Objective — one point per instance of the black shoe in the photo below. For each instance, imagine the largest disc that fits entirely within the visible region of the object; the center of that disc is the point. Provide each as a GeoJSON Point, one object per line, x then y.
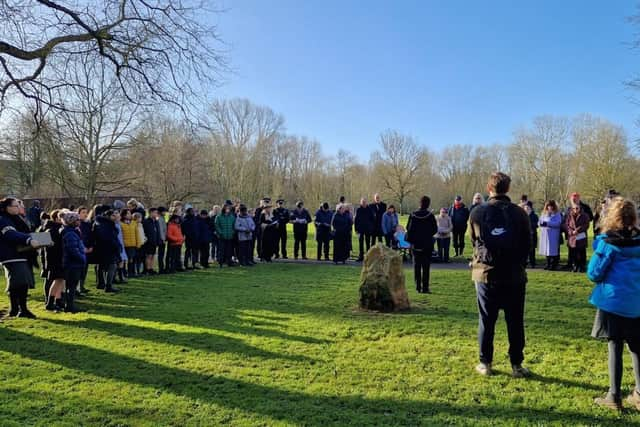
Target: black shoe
{"type": "Point", "coordinates": [305, 258]}
{"type": "Point", "coordinates": [26, 314]}
{"type": "Point", "coordinates": [285, 257]}
{"type": "Point", "coordinates": [426, 291]}
{"type": "Point", "coordinates": [73, 310]}
{"type": "Point", "coordinates": [112, 290]}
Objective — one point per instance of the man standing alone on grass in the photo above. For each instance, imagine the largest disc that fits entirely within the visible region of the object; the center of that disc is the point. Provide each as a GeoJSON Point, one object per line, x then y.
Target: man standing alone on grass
{"type": "Point", "coordinates": [501, 235]}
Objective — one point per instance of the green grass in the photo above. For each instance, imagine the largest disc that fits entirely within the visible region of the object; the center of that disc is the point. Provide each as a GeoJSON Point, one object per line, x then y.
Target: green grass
{"type": "Point", "coordinates": [285, 345]}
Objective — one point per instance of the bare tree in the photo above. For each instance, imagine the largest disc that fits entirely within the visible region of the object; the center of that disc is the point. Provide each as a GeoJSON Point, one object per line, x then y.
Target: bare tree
{"type": "Point", "coordinates": [398, 164]}
{"type": "Point", "coordinates": [84, 145]}
{"type": "Point", "coordinates": [158, 51]}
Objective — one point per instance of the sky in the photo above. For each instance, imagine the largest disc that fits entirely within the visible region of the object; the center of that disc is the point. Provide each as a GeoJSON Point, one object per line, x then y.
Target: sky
{"type": "Point", "coordinates": [444, 72]}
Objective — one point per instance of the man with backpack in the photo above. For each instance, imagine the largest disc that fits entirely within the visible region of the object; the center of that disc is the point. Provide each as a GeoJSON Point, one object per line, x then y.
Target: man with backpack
{"type": "Point", "coordinates": [501, 236]}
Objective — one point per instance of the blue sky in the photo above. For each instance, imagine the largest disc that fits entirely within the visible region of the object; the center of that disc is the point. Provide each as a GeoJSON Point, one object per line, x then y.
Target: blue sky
{"type": "Point", "coordinates": [446, 72]}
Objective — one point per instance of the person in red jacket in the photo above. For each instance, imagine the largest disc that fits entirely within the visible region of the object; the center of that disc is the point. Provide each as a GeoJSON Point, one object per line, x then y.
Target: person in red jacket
{"type": "Point", "coordinates": [175, 239]}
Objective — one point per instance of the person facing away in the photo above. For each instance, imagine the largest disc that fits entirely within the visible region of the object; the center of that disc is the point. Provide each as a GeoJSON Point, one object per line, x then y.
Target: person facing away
{"type": "Point", "coordinates": [421, 227]}
{"type": "Point", "coordinates": [615, 269]}
{"type": "Point", "coordinates": [379, 208]}
{"type": "Point", "coordinates": [501, 236]}
{"type": "Point", "coordinates": [365, 225]}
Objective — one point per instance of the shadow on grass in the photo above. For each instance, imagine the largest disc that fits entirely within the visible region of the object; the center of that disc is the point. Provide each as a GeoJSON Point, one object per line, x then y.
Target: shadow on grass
{"type": "Point", "coordinates": [278, 404]}
{"type": "Point", "coordinates": [209, 342]}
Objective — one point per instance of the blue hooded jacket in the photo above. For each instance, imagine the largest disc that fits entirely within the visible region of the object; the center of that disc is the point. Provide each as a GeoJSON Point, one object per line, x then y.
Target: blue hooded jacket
{"type": "Point", "coordinates": [615, 268]}
{"type": "Point", "coordinates": [73, 255]}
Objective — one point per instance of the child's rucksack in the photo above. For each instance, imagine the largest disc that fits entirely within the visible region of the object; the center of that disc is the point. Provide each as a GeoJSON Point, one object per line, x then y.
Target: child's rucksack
{"type": "Point", "coordinates": [498, 238]}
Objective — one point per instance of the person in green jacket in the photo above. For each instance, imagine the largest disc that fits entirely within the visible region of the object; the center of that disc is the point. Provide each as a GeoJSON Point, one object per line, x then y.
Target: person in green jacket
{"type": "Point", "coordinates": [225, 230]}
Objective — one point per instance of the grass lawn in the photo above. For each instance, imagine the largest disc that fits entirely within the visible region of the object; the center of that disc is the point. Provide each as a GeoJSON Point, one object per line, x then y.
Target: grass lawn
{"type": "Point", "coordinates": [285, 345]}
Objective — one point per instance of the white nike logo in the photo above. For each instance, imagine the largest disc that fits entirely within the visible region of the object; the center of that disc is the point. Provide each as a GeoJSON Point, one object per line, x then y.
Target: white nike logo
{"type": "Point", "coordinates": [498, 231]}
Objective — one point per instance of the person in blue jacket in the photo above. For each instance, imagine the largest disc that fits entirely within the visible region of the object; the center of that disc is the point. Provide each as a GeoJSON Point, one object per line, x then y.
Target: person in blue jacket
{"type": "Point", "coordinates": [389, 224]}
{"type": "Point", "coordinates": [74, 258]}
{"type": "Point", "coordinates": [615, 269]}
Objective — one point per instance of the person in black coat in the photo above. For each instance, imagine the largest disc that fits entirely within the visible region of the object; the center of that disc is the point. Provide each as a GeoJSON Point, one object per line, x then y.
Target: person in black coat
{"type": "Point", "coordinates": [283, 215]}
{"type": "Point", "coordinates": [533, 218]}
{"type": "Point", "coordinates": [270, 235]}
{"type": "Point", "coordinates": [300, 218]}
{"type": "Point", "coordinates": [365, 225]}
{"type": "Point", "coordinates": [379, 208]}
{"type": "Point", "coordinates": [107, 249]}
{"type": "Point", "coordinates": [14, 235]}
{"type": "Point", "coordinates": [459, 214]}
{"type": "Point", "coordinates": [152, 233]}
{"type": "Point", "coordinates": [341, 225]}
{"type": "Point", "coordinates": [323, 230]}
{"type": "Point", "coordinates": [53, 262]}
{"type": "Point", "coordinates": [33, 215]}
{"type": "Point", "coordinates": [421, 228]}
{"type": "Point", "coordinates": [189, 229]}
{"type": "Point", "coordinates": [204, 236]}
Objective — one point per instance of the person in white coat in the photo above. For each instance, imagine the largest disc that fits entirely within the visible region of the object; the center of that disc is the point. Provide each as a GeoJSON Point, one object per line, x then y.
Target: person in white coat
{"type": "Point", "coordinates": [550, 223]}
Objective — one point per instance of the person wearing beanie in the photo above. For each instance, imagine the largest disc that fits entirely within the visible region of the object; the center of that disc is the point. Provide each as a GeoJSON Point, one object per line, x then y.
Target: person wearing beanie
{"type": "Point", "coordinates": [74, 258]}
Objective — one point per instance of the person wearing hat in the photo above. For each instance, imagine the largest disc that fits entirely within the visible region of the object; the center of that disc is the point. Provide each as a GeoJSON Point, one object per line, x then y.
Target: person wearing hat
{"type": "Point", "coordinates": [282, 215]}
{"type": "Point", "coordinates": [322, 222]}
{"type": "Point", "coordinates": [459, 214]}
{"type": "Point", "coordinates": [74, 258]}
{"type": "Point", "coordinates": [18, 272]}
{"type": "Point", "coordinates": [300, 218]}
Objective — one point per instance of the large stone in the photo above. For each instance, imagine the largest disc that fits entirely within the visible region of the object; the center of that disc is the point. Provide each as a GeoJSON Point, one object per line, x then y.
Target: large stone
{"type": "Point", "coordinates": [382, 286]}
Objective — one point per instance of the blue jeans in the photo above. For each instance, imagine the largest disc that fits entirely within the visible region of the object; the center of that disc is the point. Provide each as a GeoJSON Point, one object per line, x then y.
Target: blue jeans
{"type": "Point", "coordinates": [510, 298]}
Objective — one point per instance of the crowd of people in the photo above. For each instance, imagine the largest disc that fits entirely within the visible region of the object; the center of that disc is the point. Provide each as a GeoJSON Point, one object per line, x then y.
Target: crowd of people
{"type": "Point", "coordinates": [127, 240]}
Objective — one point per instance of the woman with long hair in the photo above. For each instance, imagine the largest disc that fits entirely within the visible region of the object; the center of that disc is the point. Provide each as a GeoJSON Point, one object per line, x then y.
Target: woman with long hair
{"type": "Point", "coordinates": [615, 269]}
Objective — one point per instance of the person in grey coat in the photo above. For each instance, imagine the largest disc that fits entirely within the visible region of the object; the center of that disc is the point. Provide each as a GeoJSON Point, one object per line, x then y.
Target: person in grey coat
{"type": "Point", "coordinates": [245, 226]}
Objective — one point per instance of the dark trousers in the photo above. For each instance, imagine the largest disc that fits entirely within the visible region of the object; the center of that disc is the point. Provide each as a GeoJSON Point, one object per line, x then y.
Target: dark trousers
{"type": "Point", "coordinates": [444, 243]}
{"type": "Point", "coordinates": [458, 240]}
{"type": "Point", "coordinates": [388, 239]}
{"type": "Point", "coordinates": [245, 256]}
{"type": "Point", "coordinates": [509, 298]}
{"type": "Point", "coordinates": [323, 248]}
{"type": "Point", "coordinates": [300, 244]}
{"type": "Point", "coordinates": [203, 250]}
{"type": "Point", "coordinates": [281, 248]}
{"type": "Point", "coordinates": [173, 258]}
{"type": "Point", "coordinates": [421, 268]}
{"type": "Point", "coordinates": [72, 277]}
{"type": "Point", "coordinates": [225, 251]}
{"type": "Point", "coordinates": [161, 255]}
{"type": "Point", "coordinates": [364, 240]}
{"type": "Point", "coordinates": [106, 274]}
{"type": "Point", "coordinates": [190, 253]}
{"type": "Point", "coordinates": [377, 236]}
{"type": "Point", "coordinates": [214, 248]}
{"type": "Point", "coordinates": [553, 261]}
{"type": "Point", "coordinates": [578, 257]}
{"type": "Point", "coordinates": [532, 250]}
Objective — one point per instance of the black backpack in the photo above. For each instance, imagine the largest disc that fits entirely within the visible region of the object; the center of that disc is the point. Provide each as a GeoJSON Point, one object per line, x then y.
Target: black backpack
{"type": "Point", "coordinates": [498, 242]}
